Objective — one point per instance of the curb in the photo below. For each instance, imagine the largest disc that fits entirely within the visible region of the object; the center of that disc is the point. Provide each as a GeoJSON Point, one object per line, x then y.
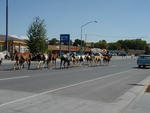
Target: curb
{"type": "Point", "coordinates": [135, 94]}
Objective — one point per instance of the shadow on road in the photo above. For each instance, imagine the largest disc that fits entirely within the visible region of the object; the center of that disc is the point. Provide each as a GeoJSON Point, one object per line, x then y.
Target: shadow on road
{"type": "Point", "coordinates": [135, 84]}
{"type": "Point", "coordinates": [141, 68]}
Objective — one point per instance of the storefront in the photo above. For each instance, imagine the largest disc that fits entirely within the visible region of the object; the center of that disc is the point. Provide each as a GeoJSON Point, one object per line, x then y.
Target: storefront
{"type": "Point", "coordinates": [13, 44]}
{"type": "Point", "coordinates": [64, 48]}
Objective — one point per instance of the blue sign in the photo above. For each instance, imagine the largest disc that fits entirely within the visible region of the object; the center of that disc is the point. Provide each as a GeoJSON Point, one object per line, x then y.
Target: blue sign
{"type": "Point", "coordinates": [64, 37]}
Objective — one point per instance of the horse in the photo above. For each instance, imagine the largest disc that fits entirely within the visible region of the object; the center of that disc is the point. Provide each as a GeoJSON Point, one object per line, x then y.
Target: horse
{"type": "Point", "coordinates": [66, 58]}
{"type": "Point", "coordinates": [3, 55]}
{"type": "Point", "coordinates": [75, 59]}
{"type": "Point", "coordinates": [42, 59]}
{"type": "Point", "coordinates": [106, 58]}
{"type": "Point", "coordinates": [89, 58]}
{"type": "Point", "coordinates": [98, 59]}
{"type": "Point", "coordinates": [53, 57]}
{"type": "Point", "coordinates": [21, 58]}
{"type": "Point", "coordinates": [45, 59]}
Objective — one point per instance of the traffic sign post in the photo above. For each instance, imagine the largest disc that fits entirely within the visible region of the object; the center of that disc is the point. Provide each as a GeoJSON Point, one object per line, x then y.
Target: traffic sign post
{"type": "Point", "coordinates": [65, 38]}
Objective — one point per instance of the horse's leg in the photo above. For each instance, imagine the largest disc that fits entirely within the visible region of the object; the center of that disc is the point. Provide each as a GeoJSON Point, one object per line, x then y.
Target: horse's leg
{"type": "Point", "coordinates": [39, 64]}
{"type": "Point", "coordinates": [100, 62]}
{"type": "Point", "coordinates": [48, 63]}
{"type": "Point", "coordinates": [64, 63]}
{"type": "Point", "coordinates": [44, 63]}
{"type": "Point", "coordinates": [29, 63]}
{"type": "Point", "coordinates": [60, 63]}
{"type": "Point", "coordinates": [22, 64]}
{"type": "Point", "coordinates": [68, 64]}
{"type": "Point", "coordinates": [103, 61]}
{"type": "Point", "coordinates": [55, 63]}
{"type": "Point", "coordinates": [15, 65]}
{"type": "Point", "coordinates": [0, 62]}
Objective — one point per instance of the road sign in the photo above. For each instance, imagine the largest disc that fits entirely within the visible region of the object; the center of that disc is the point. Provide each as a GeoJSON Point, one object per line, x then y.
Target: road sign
{"type": "Point", "coordinates": [64, 37]}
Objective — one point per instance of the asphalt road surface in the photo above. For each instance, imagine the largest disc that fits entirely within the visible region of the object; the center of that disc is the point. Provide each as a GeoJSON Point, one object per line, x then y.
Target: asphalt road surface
{"type": "Point", "coordinates": [81, 89]}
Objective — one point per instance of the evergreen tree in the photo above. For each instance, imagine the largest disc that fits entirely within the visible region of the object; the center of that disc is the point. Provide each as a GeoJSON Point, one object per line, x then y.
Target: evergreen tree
{"type": "Point", "coordinates": [37, 37]}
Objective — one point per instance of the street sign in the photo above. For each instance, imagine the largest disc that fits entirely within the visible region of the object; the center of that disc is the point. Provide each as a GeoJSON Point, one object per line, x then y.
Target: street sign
{"type": "Point", "coordinates": [64, 37]}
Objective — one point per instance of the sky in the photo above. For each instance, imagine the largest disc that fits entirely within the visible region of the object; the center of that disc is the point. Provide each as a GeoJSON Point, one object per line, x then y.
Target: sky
{"type": "Point", "coordinates": [117, 19]}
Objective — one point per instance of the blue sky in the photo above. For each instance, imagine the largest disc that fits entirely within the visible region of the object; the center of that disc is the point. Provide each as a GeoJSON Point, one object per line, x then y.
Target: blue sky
{"type": "Point", "coordinates": [117, 19]}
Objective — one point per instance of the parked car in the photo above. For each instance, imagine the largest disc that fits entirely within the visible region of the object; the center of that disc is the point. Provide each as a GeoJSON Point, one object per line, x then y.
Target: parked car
{"type": "Point", "coordinates": [143, 60]}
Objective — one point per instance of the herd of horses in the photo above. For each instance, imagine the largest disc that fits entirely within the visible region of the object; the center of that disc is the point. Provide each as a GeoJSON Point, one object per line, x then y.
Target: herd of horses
{"type": "Point", "coordinates": [47, 60]}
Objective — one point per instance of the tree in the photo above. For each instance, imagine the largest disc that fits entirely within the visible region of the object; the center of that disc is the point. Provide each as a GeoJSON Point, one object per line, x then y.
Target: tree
{"type": "Point", "coordinates": [53, 41]}
{"type": "Point", "coordinates": [67, 43]}
{"type": "Point", "coordinates": [147, 49]}
{"type": "Point", "coordinates": [136, 44]}
{"type": "Point", "coordinates": [78, 42]}
{"type": "Point", "coordinates": [101, 44]}
{"type": "Point", "coordinates": [37, 36]}
{"type": "Point", "coordinates": [114, 46]}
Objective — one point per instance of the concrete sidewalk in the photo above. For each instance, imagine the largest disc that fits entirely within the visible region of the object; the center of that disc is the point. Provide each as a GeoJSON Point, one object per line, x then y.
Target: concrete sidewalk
{"type": "Point", "coordinates": [7, 61]}
{"type": "Point", "coordinates": [141, 104]}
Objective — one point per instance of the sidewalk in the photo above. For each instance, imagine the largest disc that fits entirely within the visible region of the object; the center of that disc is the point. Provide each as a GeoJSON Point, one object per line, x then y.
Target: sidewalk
{"type": "Point", "coordinates": [141, 103]}
{"type": "Point", "coordinates": [7, 61]}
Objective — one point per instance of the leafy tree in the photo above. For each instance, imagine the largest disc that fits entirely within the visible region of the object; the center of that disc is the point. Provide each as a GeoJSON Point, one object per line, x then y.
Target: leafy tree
{"type": "Point", "coordinates": [53, 41]}
{"type": "Point", "coordinates": [114, 46]}
{"type": "Point", "coordinates": [37, 36]}
{"type": "Point", "coordinates": [78, 42]}
{"type": "Point", "coordinates": [101, 44]}
{"type": "Point", "coordinates": [147, 50]}
{"type": "Point", "coordinates": [66, 43]}
{"type": "Point", "coordinates": [136, 44]}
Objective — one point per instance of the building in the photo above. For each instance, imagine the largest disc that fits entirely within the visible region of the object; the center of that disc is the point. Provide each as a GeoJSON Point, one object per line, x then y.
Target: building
{"type": "Point", "coordinates": [13, 44]}
{"type": "Point", "coordinates": [64, 48]}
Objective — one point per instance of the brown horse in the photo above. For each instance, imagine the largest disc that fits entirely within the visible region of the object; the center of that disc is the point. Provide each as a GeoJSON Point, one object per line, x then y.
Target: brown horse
{"type": "Point", "coordinates": [98, 59]}
{"type": "Point", "coordinates": [21, 58]}
{"type": "Point", "coordinates": [106, 58]}
{"type": "Point", "coordinates": [54, 57]}
{"type": "Point", "coordinates": [90, 59]}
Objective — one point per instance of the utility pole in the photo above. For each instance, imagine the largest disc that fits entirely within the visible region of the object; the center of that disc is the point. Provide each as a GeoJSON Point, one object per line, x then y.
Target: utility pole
{"type": "Point", "coordinates": [82, 31]}
{"type": "Point", "coordinates": [6, 40]}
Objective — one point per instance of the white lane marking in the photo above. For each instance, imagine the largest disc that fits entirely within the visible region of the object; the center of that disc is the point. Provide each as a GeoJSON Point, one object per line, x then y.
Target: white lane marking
{"type": "Point", "coordinates": [61, 88]}
{"type": "Point", "coordinates": [14, 78]}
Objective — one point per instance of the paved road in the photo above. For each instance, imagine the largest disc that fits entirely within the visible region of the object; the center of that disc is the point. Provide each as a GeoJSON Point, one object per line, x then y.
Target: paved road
{"type": "Point", "coordinates": [99, 89]}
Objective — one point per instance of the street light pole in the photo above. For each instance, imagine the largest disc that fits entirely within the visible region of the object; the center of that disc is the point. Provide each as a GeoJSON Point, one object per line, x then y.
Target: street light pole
{"type": "Point", "coordinates": [6, 40]}
{"type": "Point", "coordinates": [82, 30]}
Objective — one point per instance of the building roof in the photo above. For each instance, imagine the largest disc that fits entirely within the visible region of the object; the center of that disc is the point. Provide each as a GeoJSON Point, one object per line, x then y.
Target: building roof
{"type": "Point", "coordinates": [3, 37]}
